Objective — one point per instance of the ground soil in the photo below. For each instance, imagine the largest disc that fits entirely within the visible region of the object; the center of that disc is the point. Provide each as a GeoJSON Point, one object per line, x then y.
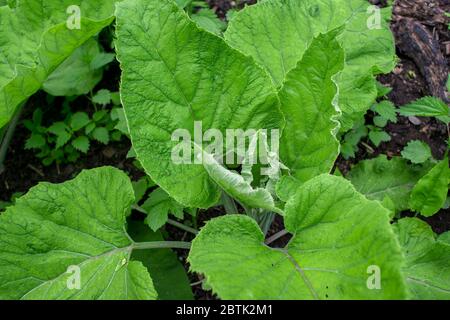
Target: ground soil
{"type": "Point", "coordinates": [408, 80]}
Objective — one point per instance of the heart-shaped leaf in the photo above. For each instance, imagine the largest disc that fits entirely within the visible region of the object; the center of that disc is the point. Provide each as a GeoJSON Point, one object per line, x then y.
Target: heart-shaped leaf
{"type": "Point", "coordinates": [343, 248]}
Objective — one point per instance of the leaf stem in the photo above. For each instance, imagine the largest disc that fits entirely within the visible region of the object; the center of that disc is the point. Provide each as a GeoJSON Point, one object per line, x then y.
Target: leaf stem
{"type": "Point", "coordinates": [265, 221]}
{"type": "Point", "coordinates": [229, 204]}
{"type": "Point", "coordinates": [368, 148]}
{"type": "Point", "coordinates": [193, 284]}
{"type": "Point", "coordinates": [2, 132]}
{"type": "Point", "coordinates": [181, 226]}
{"type": "Point", "coordinates": [264, 218]}
{"type": "Point", "coordinates": [194, 219]}
{"type": "Point", "coordinates": [161, 244]}
{"type": "Point", "coordinates": [276, 236]}
{"type": "Point", "coordinates": [138, 208]}
{"type": "Point", "coordinates": [92, 100]}
{"type": "Point", "coordinates": [8, 136]}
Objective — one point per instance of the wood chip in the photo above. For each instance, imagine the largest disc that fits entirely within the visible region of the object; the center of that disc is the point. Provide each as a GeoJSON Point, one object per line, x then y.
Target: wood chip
{"type": "Point", "coordinates": [414, 120]}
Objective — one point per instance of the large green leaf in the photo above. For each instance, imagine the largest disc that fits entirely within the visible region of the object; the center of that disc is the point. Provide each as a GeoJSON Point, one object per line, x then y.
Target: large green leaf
{"type": "Point", "coordinates": [276, 33]}
{"type": "Point", "coordinates": [427, 267]}
{"type": "Point", "coordinates": [430, 192]}
{"type": "Point", "coordinates": [380, 178]}
{"type": "Point", "coordinates": [78, 224]}
{"type": "Point", "coordinates": [77, 75]}
{"type": "Point", "coordinates": [174, 74]}
{"type": "Point", "coordinates": [35, 39]}
{"type": "Point", "coordinates": [338, 236]}
{"type": "Point", "coordinates": [308, 145]}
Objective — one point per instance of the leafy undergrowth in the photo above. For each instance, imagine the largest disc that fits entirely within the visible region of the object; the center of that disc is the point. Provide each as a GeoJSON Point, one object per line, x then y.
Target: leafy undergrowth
{"type": "Point", "coordinates": [353, 206]}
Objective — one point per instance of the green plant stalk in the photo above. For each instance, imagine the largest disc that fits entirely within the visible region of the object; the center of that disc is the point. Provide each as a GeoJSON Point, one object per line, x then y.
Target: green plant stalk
{"type": "Point", "coordinates": [276, 236]}
{"type": "Point", "coordinates": [169, 221]}
{"type": "Point", "coordinates": [229, 204]}
{"type": "Point", "coordinates": [181, 226]}
{"type": "Point", "coordinates": [266, 220]}
{"type": "Point", "coordinates": [194, 220]}
{"type": "Point", "coordinates": [161, 245]}
{"type": "Point", "coordinates": [2, 132]}
{"type": "Point", "coordinates": [7, 136]}
{"type": "Point", "coordinates": [92, 100]}
{"type": "Point", "coordinates": [262, 217]}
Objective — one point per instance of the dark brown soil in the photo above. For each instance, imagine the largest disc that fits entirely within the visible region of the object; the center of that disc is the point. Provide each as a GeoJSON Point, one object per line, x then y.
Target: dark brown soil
{"type": "Point", "coordinates": [221, 7]}
{"type": "Point", "coordinates": [408, 80]}
{"type": "Point", "coordinates": [24, 169]}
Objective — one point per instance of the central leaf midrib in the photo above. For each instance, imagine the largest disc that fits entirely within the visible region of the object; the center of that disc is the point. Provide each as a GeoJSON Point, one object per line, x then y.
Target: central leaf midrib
{"type": "Point", "coordinates": [300, 272]}
{"type": "Point", "coordinates": [427, 284]}
{"type": "Point", "coordinates": [389, 188]}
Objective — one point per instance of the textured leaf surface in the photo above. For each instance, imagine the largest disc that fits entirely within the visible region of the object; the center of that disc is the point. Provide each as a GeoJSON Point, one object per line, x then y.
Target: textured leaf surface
{"type": "Point", "coordinates": [62, 132]}
{"type": "Point", "coordinates": [158, 206]}
{"type": "Point", "coordinates": [102, 59]}
{"type": "Point", "coordinates": [35, 40]}
{"type": "Point", "coordinates": [287, 187]}
{"type": "Point", "coordinates": [383, 90]}
{"type": "Point", "coordinates": [78, 120]}
{"type": "Point", "coordinates": [102, 97]}
{"type": "Point", "coordinates": [308, 145]}
{"type": "Point", "coordinates": [175, 74]}
{"type": "Point", "coordinates": [378, 136]}
{"type": "Point", "coordinates": [430, 192]}
{"type": "Point", "coordinates": [75, 76]}
{"type": "Point", "coordinates": [206, 18]}
{"type": "Point", "coordinates": [349, 145]}
{"type": "Point", "coordinates": [81, 144]}
{"type": "Point", "coordinates": [380, 177]}
{"type": "Point", "coordinates": [338, 234]}
{"type": "Point", "coordinates": [77, 223]}
{"type": "Point", "coordinates": [277, 33]}
{"type": "Point", "coordinates": [35, 141]}
{"type": "Point", "coordinates": [426, 107]}
{"type": "Point", "coordinates": [427, 266]}
{"type": "Point", "coordinates": [101, 134]}
{"type": "Point", "coordinates": [237, 187]}
{"type": "Point", "coordinates": [386, 109]}
{"type": "Point", "coordinates": [417, 151]}
{"type": "Point", "coordinates": [386, 112]}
